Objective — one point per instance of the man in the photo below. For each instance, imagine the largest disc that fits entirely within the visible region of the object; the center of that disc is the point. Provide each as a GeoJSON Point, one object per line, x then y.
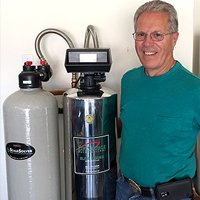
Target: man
{"type": "Point", "coordinates": [160, 113]}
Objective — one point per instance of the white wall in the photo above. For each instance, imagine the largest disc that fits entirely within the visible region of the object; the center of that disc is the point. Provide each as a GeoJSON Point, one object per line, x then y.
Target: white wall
{"type": "Point", "coordinates": [196, 47]}
{"type": "Point", "coordinates": [22, 20]}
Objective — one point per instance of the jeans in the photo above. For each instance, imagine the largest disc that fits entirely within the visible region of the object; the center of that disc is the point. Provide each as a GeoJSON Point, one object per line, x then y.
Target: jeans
{"type": "Point", "coordinates": [124, 192]}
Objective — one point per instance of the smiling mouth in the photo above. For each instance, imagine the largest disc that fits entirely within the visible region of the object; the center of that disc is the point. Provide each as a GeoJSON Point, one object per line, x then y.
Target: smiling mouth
{"type": "Point", "coordinates": [150, 53]}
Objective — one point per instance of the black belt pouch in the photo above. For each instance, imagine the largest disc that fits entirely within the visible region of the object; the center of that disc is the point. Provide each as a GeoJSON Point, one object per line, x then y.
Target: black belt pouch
{"type": "Point", "coordinates": [175, 190]}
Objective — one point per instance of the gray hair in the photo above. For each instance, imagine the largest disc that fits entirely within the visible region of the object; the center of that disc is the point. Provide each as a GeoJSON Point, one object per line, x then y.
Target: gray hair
{"type": "Point", "coordinates": [159, 6]}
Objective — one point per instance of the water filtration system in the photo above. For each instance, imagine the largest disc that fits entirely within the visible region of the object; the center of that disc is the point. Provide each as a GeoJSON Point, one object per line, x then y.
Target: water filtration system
{"type": "Point", "coordinates": [34, 154]}
{"type": "Point", "coordinates": [90, 114]}
{"type": "Point", "coordinates": [32, 136]}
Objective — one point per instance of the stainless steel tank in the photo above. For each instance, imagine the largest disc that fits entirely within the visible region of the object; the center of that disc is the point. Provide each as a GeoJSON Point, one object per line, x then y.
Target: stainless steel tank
{"type": "Point", "coordinates": [90, 144]}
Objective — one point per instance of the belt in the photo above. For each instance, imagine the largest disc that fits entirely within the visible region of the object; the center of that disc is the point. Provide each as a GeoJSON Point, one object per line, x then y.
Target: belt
{"type": "Point", "coordinates": [144, 191]}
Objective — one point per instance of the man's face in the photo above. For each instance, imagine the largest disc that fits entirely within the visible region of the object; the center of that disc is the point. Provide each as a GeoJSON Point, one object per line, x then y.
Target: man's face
{"type": "Point", "coordinates": [156, 56]}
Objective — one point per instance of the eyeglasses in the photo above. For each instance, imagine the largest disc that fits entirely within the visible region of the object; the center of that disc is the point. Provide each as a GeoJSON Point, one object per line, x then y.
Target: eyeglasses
{"type": "Point", "coordinates": [155, 36]}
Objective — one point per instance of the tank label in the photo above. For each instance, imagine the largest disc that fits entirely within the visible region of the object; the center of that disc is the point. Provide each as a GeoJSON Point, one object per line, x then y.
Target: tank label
{"type": "Point", "coordinates": [19, 151]}
{"type": "Point", "coordinates": [91, 154]}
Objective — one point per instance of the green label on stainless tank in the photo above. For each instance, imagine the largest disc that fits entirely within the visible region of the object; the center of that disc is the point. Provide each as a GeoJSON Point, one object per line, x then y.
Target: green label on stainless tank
{"type": "Point", "coordinates": [91, 154]}
{"type": "Point", "coordinates": [19, 151]}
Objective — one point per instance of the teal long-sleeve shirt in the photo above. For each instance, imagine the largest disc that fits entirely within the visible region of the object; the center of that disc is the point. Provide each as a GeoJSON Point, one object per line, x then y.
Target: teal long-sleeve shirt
{"type": "Point", "coordinates": [160, 122]}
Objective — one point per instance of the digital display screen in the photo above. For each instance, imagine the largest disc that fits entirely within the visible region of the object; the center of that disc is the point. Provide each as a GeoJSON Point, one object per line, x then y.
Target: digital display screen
{"type": "Point", "coordinates": [88, 57]}
{"type": "Point", "coordinates": [88, 60]}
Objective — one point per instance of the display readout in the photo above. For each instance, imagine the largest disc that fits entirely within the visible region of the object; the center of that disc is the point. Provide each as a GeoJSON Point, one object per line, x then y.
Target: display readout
{"type": "Point", "coordinates": [88, 57]}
